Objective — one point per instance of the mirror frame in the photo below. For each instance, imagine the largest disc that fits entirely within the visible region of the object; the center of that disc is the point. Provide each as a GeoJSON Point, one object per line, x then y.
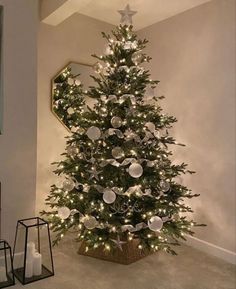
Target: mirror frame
{"type": "Point", "coordinates": [52, 89]}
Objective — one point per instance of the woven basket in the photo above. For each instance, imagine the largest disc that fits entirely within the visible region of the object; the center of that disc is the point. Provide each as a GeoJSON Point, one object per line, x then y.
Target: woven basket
{"type": "Point", "coordinates": [129, 254]}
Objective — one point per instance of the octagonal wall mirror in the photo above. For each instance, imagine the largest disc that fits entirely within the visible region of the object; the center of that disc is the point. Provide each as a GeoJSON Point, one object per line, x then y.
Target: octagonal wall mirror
{"type": "Point", "coordinates": [67, 93]}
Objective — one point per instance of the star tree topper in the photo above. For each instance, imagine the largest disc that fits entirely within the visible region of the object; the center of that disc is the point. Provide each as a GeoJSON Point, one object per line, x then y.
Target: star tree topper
{"type": "Point", "coordinates": [126, 15]}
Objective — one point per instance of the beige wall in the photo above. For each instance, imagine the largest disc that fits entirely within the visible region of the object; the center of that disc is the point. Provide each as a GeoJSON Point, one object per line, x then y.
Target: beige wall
{"type": "Point", "coordinates": [18, 141]}
{"type": "Point", "coordinates": [73, 40]}
{"type": "Point", "coordinates": [194, 58]}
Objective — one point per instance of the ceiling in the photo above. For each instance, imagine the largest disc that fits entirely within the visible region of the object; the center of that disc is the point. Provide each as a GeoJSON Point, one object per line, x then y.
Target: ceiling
{"type": "Point", "coordinates": [53, 12]}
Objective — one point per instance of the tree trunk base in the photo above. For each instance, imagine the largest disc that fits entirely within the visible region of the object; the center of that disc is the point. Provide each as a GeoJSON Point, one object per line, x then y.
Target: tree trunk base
{"type": "Point", "coordinates": [129, 254]}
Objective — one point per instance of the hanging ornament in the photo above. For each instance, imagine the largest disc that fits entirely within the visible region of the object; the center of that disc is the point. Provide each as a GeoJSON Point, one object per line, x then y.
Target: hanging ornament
{"type": "Point", "coordinates": [150, 126]}
{"type": "Point", "coordinates": [59, 182]}
{"type": "Point", "coordinates": [155, 223]}
{"type": "Point", "coordinates": [135, 170]}
{"type": "Point", "coordinates": [98, 68]}
{"type": "Point", "coordinates": [72, 151]}
{"type": "Point", "coordinates": [109, 196]}
{"type": "Point", "coordinates": [77, 81]}
{"type": "Point", "coordinates": [117, 152]}
{"type": "Point", "coordinates": [137, 57]}
{"type": "Point", "coordinates": [68, 185]}
{"type": "Point", "coordinates": [157, 134]}
{"type": "Point", "coordinates": [70, 110]}
{"type": "Point", "coordinates": [70, 81]}
{"type": "Point", "coordinates": [90, 222]}
{"type": "Point", "coordinates": [116, 121]}
{"type": "Point", "coordinates": [93, 133]}
{"type": "Point", "coordinates": [63, 213]}
{"type": "Point", "coordinates": [164, 186]}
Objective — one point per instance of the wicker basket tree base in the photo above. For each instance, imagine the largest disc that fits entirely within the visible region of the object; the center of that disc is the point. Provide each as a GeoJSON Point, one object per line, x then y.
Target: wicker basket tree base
{"type": "Point", "coordinates": [129, 254]}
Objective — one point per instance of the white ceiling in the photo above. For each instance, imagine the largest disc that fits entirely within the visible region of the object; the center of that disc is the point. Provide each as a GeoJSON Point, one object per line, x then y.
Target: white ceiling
{"type": "Point", "coordinates": [149, 11]}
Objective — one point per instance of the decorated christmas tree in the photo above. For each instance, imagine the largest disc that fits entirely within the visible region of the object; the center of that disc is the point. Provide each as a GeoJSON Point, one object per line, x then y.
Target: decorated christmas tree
{"type": "Point", "coordinates": [117, 180]}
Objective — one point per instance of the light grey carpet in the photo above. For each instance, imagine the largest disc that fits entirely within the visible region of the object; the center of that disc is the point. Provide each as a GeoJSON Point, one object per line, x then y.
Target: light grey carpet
{"type": "Point", "coordinates": [191, 269]}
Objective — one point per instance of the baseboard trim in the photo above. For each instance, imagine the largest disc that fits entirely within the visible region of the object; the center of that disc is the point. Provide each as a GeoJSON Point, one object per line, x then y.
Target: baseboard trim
{"type": "Point", "coordinates": [212, 249]}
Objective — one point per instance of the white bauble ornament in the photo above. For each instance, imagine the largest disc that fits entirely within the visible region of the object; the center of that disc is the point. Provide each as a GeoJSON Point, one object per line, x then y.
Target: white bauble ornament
{"type": "Point", "coordinates": [70, 81]}
{"type": "Point", "coordinates": [70, 110]}
{"type": "Point", "coordinates": [164, 186]}
{"type": "Point", "coordinates": [77, 82]}
{"type": "Point", "coordinates": [116, 121]}
{"type": "Point", "coordinates": [150, 126]}
{"type": "Point", "coordinates": [137, 57]}
{"type": "Point", "coordinates": [155, 223]}
{"type": "Point", "coordinates": [73, 151]}
{"type": "Point", "coordinates": [59, 182]}
{"type": "Point", "coordinates": [135, 170]}
{"type": "Point", "coordinates": [63, 213]}
{"type": "Point", "coordinates": [68, 185]}
{"type": "Point", "coordinates": [117, 152]}
{"type": "Point", "coordinates": [109, 196]}
{"type": "Point", "coordinates": [90, 222]}
{"type": "Point", "coordinates": [93, 133]}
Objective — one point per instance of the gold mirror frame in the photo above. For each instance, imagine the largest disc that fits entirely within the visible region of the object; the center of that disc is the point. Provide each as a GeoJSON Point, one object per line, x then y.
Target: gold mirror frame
{"type": "Point", "coordinates": [79, 87]}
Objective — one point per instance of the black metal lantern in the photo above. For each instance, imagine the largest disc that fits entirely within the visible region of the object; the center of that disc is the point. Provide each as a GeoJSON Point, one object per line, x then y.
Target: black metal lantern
{"type": "Point", "coordinates": [6, 267]}
{"type": "Point", "coordinates": [32, 256]}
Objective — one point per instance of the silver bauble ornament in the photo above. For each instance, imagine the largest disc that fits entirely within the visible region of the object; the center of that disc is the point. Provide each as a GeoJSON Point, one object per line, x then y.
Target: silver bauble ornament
{"type": "Point", "coordinates": [109, 196]}
{"type": "Point", "coordinates": [72, 151]}
{"type": "Point", "coordinates": [164, 186]}
{"type": "Point", "coordinates": [137, 57]}
{"type": "Point", "coordinates": [150, 126]}
{"type": "Point", "coordinates": [116, 121]}
{"type": "Point", "coordinates": [117, 152]}
{"type": "Point", "coordinates": [70, 110]}
{"type": "Point", "coordinates": [90, 222]}
{"type": "Point", "coordinates": [135, 170]}
{"type": "Point", "coordinates": [93, 133]}
{"type": "Point", "coordinates": [63, 213]}
{"type": "Point", "coordinates": [68, 185]}
{"type": "Point", "coordinates": [155, 223]}
{"type": "Point", "coordinates": [59, 182]}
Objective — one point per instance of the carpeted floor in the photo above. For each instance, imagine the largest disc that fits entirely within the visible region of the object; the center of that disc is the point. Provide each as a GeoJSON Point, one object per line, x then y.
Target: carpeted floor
{"type": "Point", "coordinates": [191, 269]}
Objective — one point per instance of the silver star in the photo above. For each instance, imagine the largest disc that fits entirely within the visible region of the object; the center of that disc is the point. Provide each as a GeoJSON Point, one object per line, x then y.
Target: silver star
{"type": "Point", "coordinates": [118, 242]}
{"type": "Point", "coordinates": [126, 15]}
{"type": "Point", "coordinates": [94, 174]}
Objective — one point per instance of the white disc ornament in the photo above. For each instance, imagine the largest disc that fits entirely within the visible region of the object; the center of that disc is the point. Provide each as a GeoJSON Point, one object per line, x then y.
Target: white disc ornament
{"type": "Point", "coordinates": [70, 110]}
{"type": "Point", "coordinates": [77, 82]}
{"type": "Point", "coordinates": [150, 126]}
{"type": "Point", "coordinates": [117, 152]}
{"type": "Point", "coordinates": [63, 213]}
{"type": "Point", "coordinates": [68, 185]}
{"type": "Point", "coordinates": [90, 222]}
{"type": "Point", "coordinates": [155, 224]}
{"type": "Point", "coordinates": [93, 133]}
{"type": "Point", "coordinates": [70, 81]}
{"type": "Point", "coordinates": [164, 186]}
{"type": "Point", "coordinates": [135, 170]}
{"type": "Point", "coordinates": [116, 121]}
{"type": "Point", "coordinates": [109, 196]}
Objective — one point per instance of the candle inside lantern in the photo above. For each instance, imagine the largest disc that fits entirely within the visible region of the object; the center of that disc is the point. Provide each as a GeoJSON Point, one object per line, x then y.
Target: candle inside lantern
{"type": "Point", "coordinates": [3, 276]}
{"type": "Point", "coordinates": [37, 265]}
{"type": "Point", "coordinates": [33, 261]}
{"type": "Point", "coordinates": [29, 268]}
